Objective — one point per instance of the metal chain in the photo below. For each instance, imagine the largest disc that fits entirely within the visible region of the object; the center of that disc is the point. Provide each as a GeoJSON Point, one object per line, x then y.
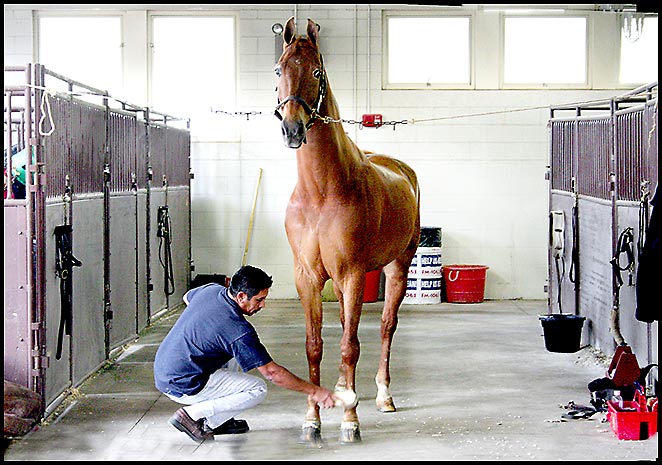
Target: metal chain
{"type": "Point", "coordinates": [324, 119]}
{"type": "Point", "coordinates": [328, 120]}
{"type": "Point", "coordinates": [248, 114]}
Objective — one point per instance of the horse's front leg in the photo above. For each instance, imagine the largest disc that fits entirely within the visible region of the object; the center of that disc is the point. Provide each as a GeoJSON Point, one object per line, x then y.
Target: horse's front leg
{"type": "Point", "coordinates": [341, 384]}
{"type": "Point", "coordinates": [352, 298]}
{"type": "Point", "coordinates": [396, 287]}
{"type": "Point", "coordinates": [311, 299]}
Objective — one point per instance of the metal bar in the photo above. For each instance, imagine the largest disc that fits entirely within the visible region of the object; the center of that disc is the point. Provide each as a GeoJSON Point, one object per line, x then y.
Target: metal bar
{"type": "Point", "coordinates": [148, 221]}
{"type": "Point", "coordinates": [107, 309]}
{"type": "Point", "coordinates": [36, 200]}
{"type": "Point", "coordinates": [9, 149]}
{"type": "Point", "coordinates": [73, 82]}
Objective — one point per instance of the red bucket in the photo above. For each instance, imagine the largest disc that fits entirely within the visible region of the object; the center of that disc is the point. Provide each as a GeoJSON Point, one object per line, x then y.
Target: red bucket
{"type": "Point", "coordinates": [371, 292]}
{"type": "Point", "coordinates": [465, 283]}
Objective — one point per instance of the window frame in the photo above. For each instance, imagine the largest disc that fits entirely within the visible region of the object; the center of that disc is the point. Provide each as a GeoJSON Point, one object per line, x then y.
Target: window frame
{"type": "Point", "coordinates": [39, 14]}
{"type": "Point", "coordinates": [229, 133]}
{"type": "Point", "coordinates": [388, 14]}
{"type": "Point", "coordinates": [586, 85]}
{"type": "Point", "coordinates": [620, 83]}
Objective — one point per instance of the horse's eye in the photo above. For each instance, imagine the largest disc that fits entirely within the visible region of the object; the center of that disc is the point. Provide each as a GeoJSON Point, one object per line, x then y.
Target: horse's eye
{"type": "Point", "coordinates": [277, 71]}
{"type": "Point", "coordinates": [317, 73]}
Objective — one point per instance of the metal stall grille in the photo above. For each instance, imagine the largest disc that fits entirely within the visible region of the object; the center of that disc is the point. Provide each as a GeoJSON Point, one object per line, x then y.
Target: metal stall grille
{"type": "Point", "coordinates": [609, 149]}
{"type": "Point", "coordinates": [562, 155]}
{"type": "Point", "coordinates": [594, 148]}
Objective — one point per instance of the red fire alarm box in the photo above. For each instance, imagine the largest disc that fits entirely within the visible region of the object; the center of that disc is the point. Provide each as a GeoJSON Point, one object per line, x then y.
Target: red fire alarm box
{"type": "Point", "coordinates": [372, 120]}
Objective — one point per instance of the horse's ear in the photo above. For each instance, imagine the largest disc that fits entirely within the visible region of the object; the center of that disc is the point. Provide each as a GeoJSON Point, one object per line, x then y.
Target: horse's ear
{"type": "Point", "coordinates": [313, 31]}
{"type": "Point", "coordinates": [290, 31]}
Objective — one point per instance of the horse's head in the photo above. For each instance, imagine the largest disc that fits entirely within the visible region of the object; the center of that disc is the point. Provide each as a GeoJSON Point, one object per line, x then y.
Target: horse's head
{"type": "Point", "coordinates": [301, 83]}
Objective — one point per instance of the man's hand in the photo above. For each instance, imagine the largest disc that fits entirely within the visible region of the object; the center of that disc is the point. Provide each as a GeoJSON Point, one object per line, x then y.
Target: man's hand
{"type": "Point", "coordinates": [324, 397]}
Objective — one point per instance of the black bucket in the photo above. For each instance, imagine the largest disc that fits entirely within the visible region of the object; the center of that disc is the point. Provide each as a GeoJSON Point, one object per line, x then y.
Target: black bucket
{"type": "Point", "coordinates": [430, 237]}
{"type": "Point", "coordinates": [563, 333]}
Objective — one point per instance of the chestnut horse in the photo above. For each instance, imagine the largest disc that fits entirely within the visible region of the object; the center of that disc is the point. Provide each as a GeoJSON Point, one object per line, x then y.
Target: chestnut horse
{"type": "Point", "coordinates": [349, 213]}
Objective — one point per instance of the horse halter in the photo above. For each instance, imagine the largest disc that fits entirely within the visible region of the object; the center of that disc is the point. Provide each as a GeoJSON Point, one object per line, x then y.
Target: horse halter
{"type": "Point", "coordinates": [311, 110]}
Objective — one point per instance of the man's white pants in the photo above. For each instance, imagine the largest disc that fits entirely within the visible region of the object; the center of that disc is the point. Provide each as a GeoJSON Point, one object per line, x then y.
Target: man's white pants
{"type": "Point", "coordinates": [228, 392]}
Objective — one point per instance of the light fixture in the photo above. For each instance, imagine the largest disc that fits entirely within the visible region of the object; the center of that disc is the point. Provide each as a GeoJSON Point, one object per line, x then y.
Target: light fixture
{"type": "Point", "coordinates": [633, 26]}
{"type": "Point", "coordinates": [277, 29]}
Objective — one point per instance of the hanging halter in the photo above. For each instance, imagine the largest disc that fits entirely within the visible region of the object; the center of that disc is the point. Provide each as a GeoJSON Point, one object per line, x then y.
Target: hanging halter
{"type": "Point", "coordinates": [311, 110]}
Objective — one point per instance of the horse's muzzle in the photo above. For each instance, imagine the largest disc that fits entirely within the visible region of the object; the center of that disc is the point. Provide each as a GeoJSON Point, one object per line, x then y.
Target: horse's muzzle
{"type": "Point", "coordinates": [294, 133]}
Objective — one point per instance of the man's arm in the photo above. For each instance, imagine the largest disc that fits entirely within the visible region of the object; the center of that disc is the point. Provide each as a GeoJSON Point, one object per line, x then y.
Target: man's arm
{"type": "Point", "coordinates": [282, 377]}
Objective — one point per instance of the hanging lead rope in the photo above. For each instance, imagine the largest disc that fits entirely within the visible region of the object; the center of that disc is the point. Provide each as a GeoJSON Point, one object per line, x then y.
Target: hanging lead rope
{"type": "Point", "coordinates": [64, 263]}
{"type": "Point", "coordinates": [557, 238]}
{"type": "Point", "coordinates": [624, 246]}
{"type": "Point", "coordinates": [574, 252]}
{"type": "Point", "coordinates": [165, 256]}
{"type": "Point", "coordinates": [644, 217]}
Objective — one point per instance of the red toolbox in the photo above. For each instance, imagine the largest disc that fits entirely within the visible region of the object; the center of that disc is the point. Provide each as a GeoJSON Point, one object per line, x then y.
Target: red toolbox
{"type": "Point", "coordinates": [635, 420]}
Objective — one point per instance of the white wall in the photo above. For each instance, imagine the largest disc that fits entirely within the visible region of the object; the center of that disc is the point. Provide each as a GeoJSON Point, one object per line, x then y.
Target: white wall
{"type": "Point", "coordinates": [482, 177]}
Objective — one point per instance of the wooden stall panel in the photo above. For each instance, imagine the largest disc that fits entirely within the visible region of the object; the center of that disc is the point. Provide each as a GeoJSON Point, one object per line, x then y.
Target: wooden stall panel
{"type": "Point", "coordinates": [562, 293]}
{"type": "Point", "coordinates": [58, 373]}
{"type": "Point", "coordinates": [179, 207]}
{"type": "Point", "coordinates": [595, 275]}
{"type": "Point", "coordinates": [158, 275]}
{"type": "Point", "coordinates": [88, 347]}
{"type": "Point", "coordinates": [124, 238]}
{"type": "Point", "coordinates": [18, 336]}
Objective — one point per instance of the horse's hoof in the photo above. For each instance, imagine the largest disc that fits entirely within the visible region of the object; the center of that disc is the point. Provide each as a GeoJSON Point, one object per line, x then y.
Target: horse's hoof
{"type": "Point", "coordinates": [311, 434]}
{"type": "Point", "coordinates": [386, 406]}
{"type": "Point", "coordinates": [349, 432]}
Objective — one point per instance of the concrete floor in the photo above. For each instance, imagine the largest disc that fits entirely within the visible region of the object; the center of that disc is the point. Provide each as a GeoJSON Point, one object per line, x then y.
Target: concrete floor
{"type": "Point", "coordinates": [470, 381]}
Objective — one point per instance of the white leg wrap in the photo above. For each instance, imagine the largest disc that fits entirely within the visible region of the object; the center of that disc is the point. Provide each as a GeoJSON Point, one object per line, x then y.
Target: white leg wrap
{"type": "Point", "coordinates": [311, 424]}
{"type": "Point", "coordinates": [353, 425]}
{"type": "Point", "coordinates": [383, 391]}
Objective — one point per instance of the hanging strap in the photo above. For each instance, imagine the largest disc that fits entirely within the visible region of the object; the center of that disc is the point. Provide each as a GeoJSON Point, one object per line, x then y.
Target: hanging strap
{"type": "Point", "coordinates": [624, 245]}
{"type": "Point", "coordinates": [644, 218]}
{"type": "Point", "coordinates": [165, 256]}
{"type": "Point", "coordinates": [557, 230]}
{"type": "Point", "coordinates": [574, 254]}
{"type": "Point", "coordinates": [64, 263]}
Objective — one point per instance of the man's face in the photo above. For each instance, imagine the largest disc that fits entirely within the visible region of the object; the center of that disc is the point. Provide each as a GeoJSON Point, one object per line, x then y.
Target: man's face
{"type": "Point", "coordinates": [253, 305]}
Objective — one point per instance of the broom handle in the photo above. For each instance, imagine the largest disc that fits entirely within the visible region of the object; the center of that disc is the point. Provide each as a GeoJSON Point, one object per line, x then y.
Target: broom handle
{"type": "Point", "coordinates": [250, 224]}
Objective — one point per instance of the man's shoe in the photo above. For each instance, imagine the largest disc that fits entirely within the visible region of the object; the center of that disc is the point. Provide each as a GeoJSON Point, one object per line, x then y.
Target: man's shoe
{"type": "Point", "coordinates": [184, 423]}
{"type": "Point", "coordinates": [232, 426]}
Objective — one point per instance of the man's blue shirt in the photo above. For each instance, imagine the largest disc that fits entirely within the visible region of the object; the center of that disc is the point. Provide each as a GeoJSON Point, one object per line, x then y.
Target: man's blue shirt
{"type": "Point", "coordinates": [210, 331]}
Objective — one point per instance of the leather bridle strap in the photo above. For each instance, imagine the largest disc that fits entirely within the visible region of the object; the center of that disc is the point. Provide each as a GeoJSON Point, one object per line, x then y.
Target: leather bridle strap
{"type": "Point", "coordinates": [310, 111]}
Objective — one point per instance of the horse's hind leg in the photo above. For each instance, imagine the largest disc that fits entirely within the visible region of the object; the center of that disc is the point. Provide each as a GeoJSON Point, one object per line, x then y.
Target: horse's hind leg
{"type": "Point", "coordinates": [396, 286]}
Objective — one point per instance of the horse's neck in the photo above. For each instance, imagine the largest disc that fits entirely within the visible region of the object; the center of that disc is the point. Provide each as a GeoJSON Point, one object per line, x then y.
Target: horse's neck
{"type": "Point", "coordinates": [329, 158]}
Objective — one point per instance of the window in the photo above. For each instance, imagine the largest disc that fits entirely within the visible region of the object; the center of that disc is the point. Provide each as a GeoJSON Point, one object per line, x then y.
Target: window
{"type": "Point", "coordinates": [543, 51]}
{"type": "Point", "coordinates": [638, 51]}
{"type": "Point", "coordinates": [428, 52]}
{"type": "Point", "coordinates": [87, 49]}
{"type": "Point", "coordinates": [193, 69]}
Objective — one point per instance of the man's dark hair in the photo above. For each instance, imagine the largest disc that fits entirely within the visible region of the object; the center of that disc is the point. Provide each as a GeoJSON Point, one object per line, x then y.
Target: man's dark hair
{"type": "Point", "coordinates": [250, 280]}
